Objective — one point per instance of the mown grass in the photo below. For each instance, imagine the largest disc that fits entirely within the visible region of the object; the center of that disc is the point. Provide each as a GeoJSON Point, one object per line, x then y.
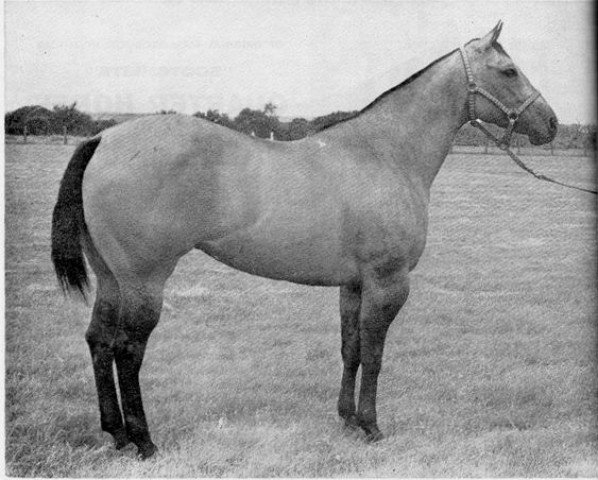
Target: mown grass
{"type": "Point", "coordinates": [490, 369]}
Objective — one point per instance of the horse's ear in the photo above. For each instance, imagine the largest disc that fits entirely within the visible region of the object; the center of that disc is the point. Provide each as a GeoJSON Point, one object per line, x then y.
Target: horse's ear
{"type": "Point", "coordinates": [492, 36]}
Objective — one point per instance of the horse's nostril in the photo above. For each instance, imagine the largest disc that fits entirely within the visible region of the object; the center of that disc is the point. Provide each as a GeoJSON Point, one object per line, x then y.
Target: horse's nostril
{"type": "Point", "coordinates": [553, 124]}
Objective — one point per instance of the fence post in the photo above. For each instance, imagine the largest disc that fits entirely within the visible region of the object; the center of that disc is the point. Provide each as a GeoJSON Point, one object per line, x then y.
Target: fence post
{"type": "Point", "coordinates": [25, 131]}
{"type": "Point", "coordinates": [64, 134]}
{"type": "Point", "coordinates": [486, 146]}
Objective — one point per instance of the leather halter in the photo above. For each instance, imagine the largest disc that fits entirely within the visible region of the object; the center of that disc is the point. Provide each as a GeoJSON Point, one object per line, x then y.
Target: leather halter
{"type": "Point", "coordinates": [512, 113]}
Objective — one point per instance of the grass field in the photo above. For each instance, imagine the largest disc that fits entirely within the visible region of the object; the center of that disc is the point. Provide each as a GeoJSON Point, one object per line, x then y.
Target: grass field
{"type": "Point", "coordinates": [490, 369]}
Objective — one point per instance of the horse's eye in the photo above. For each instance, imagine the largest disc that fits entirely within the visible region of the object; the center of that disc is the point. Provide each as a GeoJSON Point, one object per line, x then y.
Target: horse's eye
{"type": "Point", "coordinates": [510, 72]}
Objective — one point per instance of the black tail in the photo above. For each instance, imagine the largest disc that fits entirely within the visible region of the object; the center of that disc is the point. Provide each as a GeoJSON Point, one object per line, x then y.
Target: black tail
{"type": "Point", "coordinates": [68, 223]}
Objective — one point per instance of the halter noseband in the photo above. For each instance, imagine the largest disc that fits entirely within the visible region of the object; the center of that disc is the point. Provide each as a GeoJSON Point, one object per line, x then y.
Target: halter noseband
{"type": "Point", "coordinates": [511, 113]}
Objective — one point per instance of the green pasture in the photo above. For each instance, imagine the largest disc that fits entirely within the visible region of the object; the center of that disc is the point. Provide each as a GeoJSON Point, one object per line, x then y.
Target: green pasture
{"type": "Point", "coordinates": [489, 370]}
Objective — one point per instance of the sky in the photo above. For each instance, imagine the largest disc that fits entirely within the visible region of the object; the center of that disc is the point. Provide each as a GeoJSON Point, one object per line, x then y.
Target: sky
{"type": "Point", "coordinates": [309, 58]}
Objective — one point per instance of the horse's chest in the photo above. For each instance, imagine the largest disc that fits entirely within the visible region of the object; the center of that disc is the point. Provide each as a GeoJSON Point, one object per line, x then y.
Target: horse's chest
{"type": "Point", "coordinates": [394, 233]}
{"type": "Point", "coordinates": [407, 237]}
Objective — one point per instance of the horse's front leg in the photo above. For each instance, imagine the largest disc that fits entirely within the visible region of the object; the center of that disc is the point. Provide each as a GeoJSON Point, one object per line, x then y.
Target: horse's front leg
{"type": "Point", "coordinates": [350, 302]}
{"type": "Point", "coordinates": [381, 299]}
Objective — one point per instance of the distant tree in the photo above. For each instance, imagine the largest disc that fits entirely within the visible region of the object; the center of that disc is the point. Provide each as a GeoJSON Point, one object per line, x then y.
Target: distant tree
{"type": "Point", "coordinates": [252, 121]}
{"type": "Point", "coordinates": [270, 109]}
{"type": "Point", "coordinates": [41, 121]}
{"type": "Point", "coordinates": [213, 116]}
{"type": "Point", "coordinates": [590, 138]}
{"type": "Point", "coordinates": [564, 136]}
{"type": "Point", "coordinates": [166, 112]}
{"type": "Point", "coordinates": [75, 121]}
{"type": "Point", "coordinates": [299, 128]}
{"type": "Point", "coordinates": [260, 122]}
{"type": "Point", "coordinates": [574, 136]}
{"type": "Point", "coordinates": [37, 119]}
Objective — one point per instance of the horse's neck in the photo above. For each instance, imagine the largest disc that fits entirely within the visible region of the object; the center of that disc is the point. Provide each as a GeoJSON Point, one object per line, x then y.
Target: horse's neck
{"type": "Point", "coordinates": [413, 127]}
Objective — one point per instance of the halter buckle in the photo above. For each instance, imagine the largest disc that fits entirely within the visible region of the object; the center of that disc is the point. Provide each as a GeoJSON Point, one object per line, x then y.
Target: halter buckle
{"type": "Point", "coordinates": [505, 142]}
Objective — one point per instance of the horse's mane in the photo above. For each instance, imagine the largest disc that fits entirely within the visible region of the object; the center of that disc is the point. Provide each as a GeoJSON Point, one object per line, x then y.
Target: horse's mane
{"type": "Point", "coordinates": [404, 83]}
{"type": "Point", "coordinates": [378, 99]}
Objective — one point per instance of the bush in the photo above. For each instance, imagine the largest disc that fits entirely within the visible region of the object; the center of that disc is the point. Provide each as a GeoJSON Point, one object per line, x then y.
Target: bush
{"type": "Point", "coordinates": [37, 119]}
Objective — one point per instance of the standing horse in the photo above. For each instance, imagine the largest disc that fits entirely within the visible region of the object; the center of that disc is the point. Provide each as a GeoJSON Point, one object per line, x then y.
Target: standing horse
{"type": "Point", "coordinates": [344, 207]}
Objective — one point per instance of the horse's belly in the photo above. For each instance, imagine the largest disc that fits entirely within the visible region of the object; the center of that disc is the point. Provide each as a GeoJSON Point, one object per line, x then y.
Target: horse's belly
{"type": "Point", "coordinates": [311, 261]}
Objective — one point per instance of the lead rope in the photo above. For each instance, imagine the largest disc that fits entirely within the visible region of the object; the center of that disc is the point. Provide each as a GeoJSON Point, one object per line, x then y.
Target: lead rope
{"type": "Point", "coordinates": [512, 114]}
{"type": "Point", "coordinates": [523, 166]}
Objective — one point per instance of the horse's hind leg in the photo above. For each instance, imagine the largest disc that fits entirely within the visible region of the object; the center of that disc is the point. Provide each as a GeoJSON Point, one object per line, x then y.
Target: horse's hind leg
{"type": "Point", "coordinates": [350, 302]}
{"type": "Point", "coordinates": [140, 311]}
{"type": "Point", "coordinates": [100, 338]}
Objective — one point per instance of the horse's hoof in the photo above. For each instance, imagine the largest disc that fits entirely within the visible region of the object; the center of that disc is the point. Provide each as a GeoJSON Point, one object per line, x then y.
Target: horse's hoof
{"type": "Point", "coordinates": [374, 436]}
{"type": "Point", "coordinates": [351, 422]}
{"type": "Point", "coordinates": [147, 451]}
{"type": "Point", "coordinates": [121, 441]}
{"type": "Point", "coordinates": [372, 432]}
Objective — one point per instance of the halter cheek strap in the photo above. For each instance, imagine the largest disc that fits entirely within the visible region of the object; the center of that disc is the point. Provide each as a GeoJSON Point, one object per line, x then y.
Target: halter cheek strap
{"type": "Point", "coordinates": [512, 113]}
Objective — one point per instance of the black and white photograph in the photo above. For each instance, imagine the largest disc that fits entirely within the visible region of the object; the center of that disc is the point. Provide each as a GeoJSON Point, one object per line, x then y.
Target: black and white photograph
{"type": "Point", "coordinates": [300, 238]}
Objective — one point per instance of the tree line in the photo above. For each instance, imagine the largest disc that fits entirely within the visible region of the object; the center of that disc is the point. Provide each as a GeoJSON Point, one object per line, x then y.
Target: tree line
{"type": "Point", "coordinates": [263, 123]}
{"type": "Point", "coordinates": [38, 120]}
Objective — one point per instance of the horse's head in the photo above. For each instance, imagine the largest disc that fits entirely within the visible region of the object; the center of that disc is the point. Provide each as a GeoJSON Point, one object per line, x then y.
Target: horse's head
{"type": "Point", "coordinates": [502, 93]}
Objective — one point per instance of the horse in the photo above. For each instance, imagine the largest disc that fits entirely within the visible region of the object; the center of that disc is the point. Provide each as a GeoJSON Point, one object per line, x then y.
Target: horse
{"type": "Point", "coordinates": [345, 207]}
